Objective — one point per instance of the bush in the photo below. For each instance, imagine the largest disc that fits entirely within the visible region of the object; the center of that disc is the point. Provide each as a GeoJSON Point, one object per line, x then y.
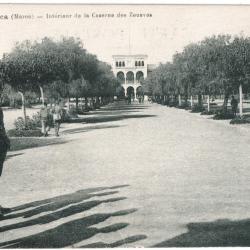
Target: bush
{"type": "Point", "coordinates": [32, 128]}
{"type": "Point", "coordinates": [173, 104]}
{"type": "Point", "coordinates": [24, 133]}
{"type": "Point", "coordinates": [72, 112]}
{"type": "Point", "coordinates": [82, 111]}
{"type": "Point", "coordinates": [208, 112]}
{"type": "Point", "coordinates": [65, 116]}
{"type": "Point", "coordinates": [197, 108]}
{"type": "Point", "coordinates": [213, 104]}
{"type": "Point", "coordinates": [223, 115]}
{"type": "Point", "coordinates": [30, 123]}
{"type": "Point", "coordinates": [240, 120]}
{"type": "Point", "coordinates": [36, 120]}
{"type": "Point", "coordinates": [183, 105]}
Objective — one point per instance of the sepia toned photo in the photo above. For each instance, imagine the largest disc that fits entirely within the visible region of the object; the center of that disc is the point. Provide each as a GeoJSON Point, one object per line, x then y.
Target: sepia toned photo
{"type": "Point", "coordinates": [124, 126]}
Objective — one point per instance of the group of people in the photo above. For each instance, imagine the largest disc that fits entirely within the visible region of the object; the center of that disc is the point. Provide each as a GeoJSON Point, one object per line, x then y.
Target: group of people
{"type": "Point", "coordinates": [51, 117]}
{"type": "Point", "coordinates": [130, 98]}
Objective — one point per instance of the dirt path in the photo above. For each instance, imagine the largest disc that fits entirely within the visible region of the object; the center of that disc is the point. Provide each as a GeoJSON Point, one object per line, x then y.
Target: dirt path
{"type": "Point", "coordinates": [126, 176]}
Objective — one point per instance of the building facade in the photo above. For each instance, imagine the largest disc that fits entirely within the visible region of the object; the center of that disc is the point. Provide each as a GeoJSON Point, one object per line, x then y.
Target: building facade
{"type": "Point", "coordinates": [130, 70]}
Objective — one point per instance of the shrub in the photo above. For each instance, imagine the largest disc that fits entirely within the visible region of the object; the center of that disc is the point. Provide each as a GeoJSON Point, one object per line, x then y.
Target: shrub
{"type": "Point", "coordinates": [183, 105]}
{"type": "Point", "coordinates": [197, 108]}
{"type": "Point", "coordinates": [173, 104]}
{"type": "Point", "coordinates": [82, 111]}
{"type": "Point", "coordinates": [65, 116]}
{"type": "Point", "coordinates": [31, 123]}
{"type": "Point", "coordinates": [223, 115]}
{"type": "Point", "coordinates": [72, 112]}
{"type": "Point", "coordinates": [36, 119]}
{"type": "Point", "coordinates": [213, 104]}
{"type": "Point", "coordinates": [208, 112]}
{"type": "Point", "coordinates": [240, 120]}
{"type": "Point", "coordinates": [24, 133]}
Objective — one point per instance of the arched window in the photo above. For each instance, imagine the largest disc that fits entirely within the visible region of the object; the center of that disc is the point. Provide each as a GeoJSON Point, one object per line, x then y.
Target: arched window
{"type": "Point", "coordinates": [130, 77]}
{"type": "Point", "coordinates": [139, 76]}
{"type": "Point", "coordinates": [139, 64]}
{"type": "Point", "coordinates": [142, 63]}
{"type": "Point", "coordinates": [121, 77]}
{"type": "Point", "coordinates": [120, 64]}
{"type": "Point", "coordinates": [123, 64]}
{"type": "Point", "coordinates": [135, 63]}
{"type": "Point", "coordinates": [116, 64]}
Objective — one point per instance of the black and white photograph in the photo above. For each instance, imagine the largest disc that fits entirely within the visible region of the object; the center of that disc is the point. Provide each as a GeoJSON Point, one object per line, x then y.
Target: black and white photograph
{"type": "Point", "coordinates": [124, 125]}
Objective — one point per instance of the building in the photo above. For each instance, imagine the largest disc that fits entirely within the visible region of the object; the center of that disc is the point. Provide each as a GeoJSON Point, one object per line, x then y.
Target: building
{"type": "Point", "coordinates": [130, 70]}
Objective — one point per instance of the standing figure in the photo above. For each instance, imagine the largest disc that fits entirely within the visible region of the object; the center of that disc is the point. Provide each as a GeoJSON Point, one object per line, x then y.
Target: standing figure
{"type": "Point", "coordinates": [4, 147]}
{"type": "Point", "coordinates": [129, 99]}
{"type": "Point", "coordinates": [57, 117]}
{"type": "Point", "coordinates": [234, 105]}
{"type": "Point", "coordinates": [44, 114]}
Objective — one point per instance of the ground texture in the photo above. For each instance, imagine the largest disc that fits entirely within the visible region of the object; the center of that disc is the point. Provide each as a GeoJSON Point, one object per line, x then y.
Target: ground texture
{"type": "Point", "coordinates": [130, 176]}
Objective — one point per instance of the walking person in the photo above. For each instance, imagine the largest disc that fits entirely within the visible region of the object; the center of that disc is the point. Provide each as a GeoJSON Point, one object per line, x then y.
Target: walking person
{"type": "Point", "coordinates": [44, 114]}
{"type": "Point", "coordinates": [234, 105]}
{"type": "Point", "coordinates": [57, 117]}
{"type": "Point", "coordinates": [4, 147]}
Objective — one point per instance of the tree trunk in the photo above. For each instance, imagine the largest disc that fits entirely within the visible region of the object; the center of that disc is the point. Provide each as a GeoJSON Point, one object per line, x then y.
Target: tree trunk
{"type": "Point", "coordinates": [42, 95]}
{"type": "Point", "coordinates": [191, 101]}
{"type": "Point", "coordinates": [241, 100]}
{"type": "Point", "coordinates": [92, 102]}
{"type": "Point", "coordinates": [68, 103]}
{"type": "Point", "coordinates": [226, 97]}
{"type": "Point", "coordinates": [86, 103]}
{"type": "Point", "coordinates": [77, 102]}
{"type": "Point", "coordinates": [23, 108]}
{"type": "Point", "coordinates": [200, 100]}
{"type": "Point", "coordinates": [179, 99]}
{"type": "Point", "coordinates": [208, 103]}
{"type": "Point", "coordinates": [186, 98]}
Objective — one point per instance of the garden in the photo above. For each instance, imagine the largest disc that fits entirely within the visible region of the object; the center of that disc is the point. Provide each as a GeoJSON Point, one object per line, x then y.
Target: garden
{"type": "Point", "coordinates": [42, 72]}
{"type": "Point", "coordinates": [204, 77]}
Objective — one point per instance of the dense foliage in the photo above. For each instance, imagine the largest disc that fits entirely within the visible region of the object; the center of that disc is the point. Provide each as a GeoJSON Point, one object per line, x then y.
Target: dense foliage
{"type": "Point", "coordinates": [61, 69]}
{"type": "Point", "coordinates": [214, 66]}
{"type": "Point", "coordinates": [54, 71]}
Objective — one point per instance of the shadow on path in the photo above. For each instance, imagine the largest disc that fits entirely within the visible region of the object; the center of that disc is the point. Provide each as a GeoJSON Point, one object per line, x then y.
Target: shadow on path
{"type": "Point", "coordinates": [110, 118]}
{"type": "Point", "coordinates": [69, 233]}
{"type": "Point", "coordinates": [118, 243]}
{"type": "Point", "coordinates": [114, 112]}
{"type": "Point", "coordinates": [9, 156]}
{"type": "Point", "coordinates": [219, 233]}
{"type": "Point", "coordinates": [19, 143]}
{"type": "Point", "coordinates": [88, 128]}
{"type": "Point", "coordinates": [52, 204]}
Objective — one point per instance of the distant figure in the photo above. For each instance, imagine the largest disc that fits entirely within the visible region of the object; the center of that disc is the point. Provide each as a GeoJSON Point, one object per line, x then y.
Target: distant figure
{"type": "Point", "coordinates": [234, 105]}
{"type": "Point", "coordinates": [44, 114]}
{"type": "Point", "coordinates": [129, 99]}
{"type": "Point", "coordinates": [4, 147]}
{"type": "Point", "coordinates": [57, 118]}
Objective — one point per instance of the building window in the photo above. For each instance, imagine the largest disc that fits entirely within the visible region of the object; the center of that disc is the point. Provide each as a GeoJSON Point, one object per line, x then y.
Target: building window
{"type": "Point", "coordinates": [120, 64]}
{"type": "Point", "coordinates": [142, 63]}
{"type": "Point", "coordinates": [135, 63]}
{"type": "Point", "coordinates": [139, 63]}
{"type": "Point", "coordinates": [123, 64]}
{"type": "Point", "coordinates": [116, 64]}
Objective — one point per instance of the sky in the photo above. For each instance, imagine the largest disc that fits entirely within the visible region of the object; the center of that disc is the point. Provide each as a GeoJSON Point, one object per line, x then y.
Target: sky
{"type": "Point", "coordinates": [159, 32]}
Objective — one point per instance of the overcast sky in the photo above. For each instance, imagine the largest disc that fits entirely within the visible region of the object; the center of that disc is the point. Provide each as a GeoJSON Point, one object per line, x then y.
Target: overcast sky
{"type": "Point", "coordinates": [169, 29]}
